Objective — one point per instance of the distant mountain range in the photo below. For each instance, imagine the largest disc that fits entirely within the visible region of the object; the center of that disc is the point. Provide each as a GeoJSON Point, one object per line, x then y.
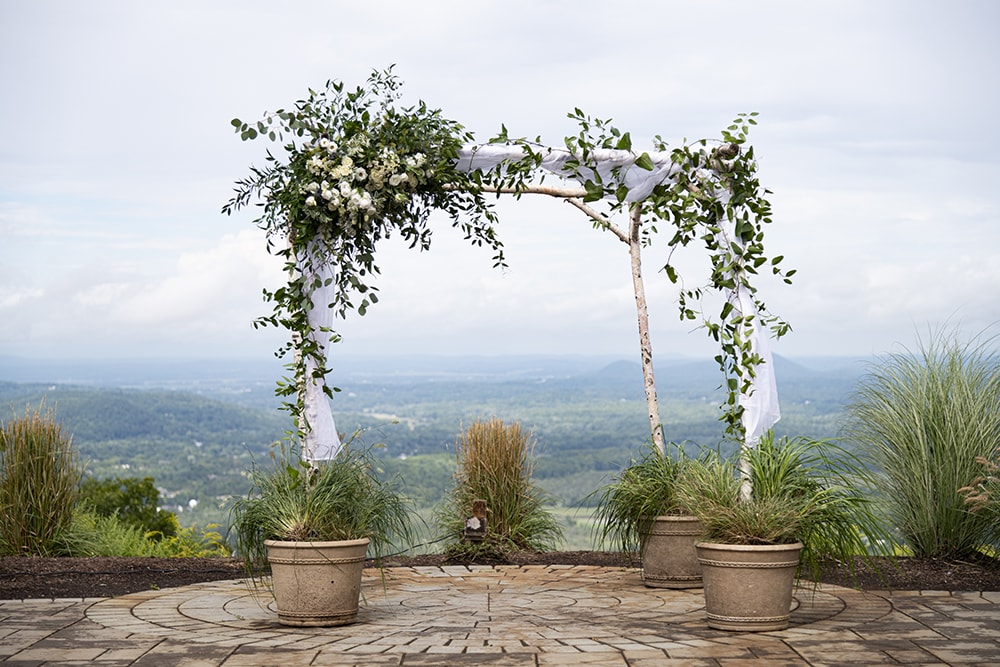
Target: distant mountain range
{"type": "Point", "coordinates": [195, 426]}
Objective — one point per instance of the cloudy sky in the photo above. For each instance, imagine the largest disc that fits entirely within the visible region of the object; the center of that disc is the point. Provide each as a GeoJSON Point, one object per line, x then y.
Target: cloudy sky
{"type": "Point", "coordinates": [878, 137]}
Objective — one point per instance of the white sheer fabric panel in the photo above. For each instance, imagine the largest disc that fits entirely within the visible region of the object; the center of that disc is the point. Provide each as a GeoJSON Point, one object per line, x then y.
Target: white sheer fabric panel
{"type": "Point", "coordinates": [639, 181]}
{"type": "Point", "coordinates": [760, 404]}
{"type": "Point", "coordinates": [760, 408]}
{"type": "Point", "coordinates": [322, 442]}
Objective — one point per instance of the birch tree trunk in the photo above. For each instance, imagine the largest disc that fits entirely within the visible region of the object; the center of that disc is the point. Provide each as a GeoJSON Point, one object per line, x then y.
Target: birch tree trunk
{"type": "Point", "coordinates": [631, 238]}
{"type": "Point", "coordinates": [642, 314]}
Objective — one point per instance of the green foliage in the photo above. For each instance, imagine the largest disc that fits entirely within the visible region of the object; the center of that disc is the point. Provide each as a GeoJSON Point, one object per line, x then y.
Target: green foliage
{"type": "Point", "coordinates": [356, 169]}
{"type": "Point", "coordinates": [924, 419]}
{"type": "Point", "coordinates": [91, 534]}
{"type": "Point", "coordinates": [645, 489]}
{"type": "Point", "coordinates": [711, 196]}
{"type": "Point", "coordinates": [194, 447]}
{"type": "Point", "coordinates": [494, 463]}
{"type": "Point", "coordinates": [135, 501]}
{"type": "Point", "coordinates": [296, 500]}
{"type": "Point", "coordinates": [802, 491]}
{"type": "Point", "coordinates": [426, 479]}
{"type": "Point", "coordinates": [39, 474]}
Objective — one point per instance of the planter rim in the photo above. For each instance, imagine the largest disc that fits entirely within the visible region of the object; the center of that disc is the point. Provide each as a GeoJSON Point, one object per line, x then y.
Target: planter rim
{"type": "Point", "coordinates": [326, 543]}
{"type": "Point", "coordinates": [749, 547]}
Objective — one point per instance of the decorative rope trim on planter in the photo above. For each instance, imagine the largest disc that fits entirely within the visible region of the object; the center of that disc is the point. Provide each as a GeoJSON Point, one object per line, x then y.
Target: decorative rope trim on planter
{"type": "Point", "coordinates": [695, 531]}
{"type": "Point", "coordinates": [677, 577]}
{"type": "Point", "coordinates": [314, 616]}
{"type": "Point", "coordinates": [315, 561]}
{"type": "Point", "coordinates": [749, 619]}
{"type": "Point", "coordinates": [761, 566]}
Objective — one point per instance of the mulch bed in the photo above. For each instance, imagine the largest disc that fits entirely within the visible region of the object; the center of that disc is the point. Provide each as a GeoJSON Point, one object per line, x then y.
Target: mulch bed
{"type": "Point", "coordinates": [30, 578]}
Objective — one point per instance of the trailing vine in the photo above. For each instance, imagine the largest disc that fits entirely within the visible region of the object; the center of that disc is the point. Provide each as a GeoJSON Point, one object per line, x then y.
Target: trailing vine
{"type": "Point", "coordinates": [354, 168]}
{"type": "Point", "coordinates": [710, 193]}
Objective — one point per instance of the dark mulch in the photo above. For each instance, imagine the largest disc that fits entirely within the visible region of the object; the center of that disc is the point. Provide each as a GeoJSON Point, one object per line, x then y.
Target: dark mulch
{"type": "Point", "coordinates": [28, 578]}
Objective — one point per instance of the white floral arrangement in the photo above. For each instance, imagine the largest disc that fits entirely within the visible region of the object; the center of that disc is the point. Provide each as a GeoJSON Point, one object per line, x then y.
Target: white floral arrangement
{"type": "Point", "coordinates": [354, 189]}
{"type": "Point", "coordinates": [356, 169]}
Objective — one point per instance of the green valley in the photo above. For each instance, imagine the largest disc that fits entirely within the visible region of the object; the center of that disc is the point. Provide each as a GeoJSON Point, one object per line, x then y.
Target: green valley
{"type": "Point", "coordinates": [197, 435]}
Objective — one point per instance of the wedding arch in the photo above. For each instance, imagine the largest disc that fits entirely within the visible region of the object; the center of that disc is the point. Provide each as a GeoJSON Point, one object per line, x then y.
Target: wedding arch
{"type": "Point", "coordinates": [357, 168]}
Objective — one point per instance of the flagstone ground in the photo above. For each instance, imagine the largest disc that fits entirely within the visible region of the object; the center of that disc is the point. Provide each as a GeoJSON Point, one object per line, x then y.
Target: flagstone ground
{"type": "Point", "coordinates": [539, 615]}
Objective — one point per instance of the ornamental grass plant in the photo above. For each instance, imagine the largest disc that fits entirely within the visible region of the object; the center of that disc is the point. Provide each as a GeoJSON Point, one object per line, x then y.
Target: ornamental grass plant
{"type": "Point", "coordinates": [983, 495]}
{"type": "Point", "coordinates": [926, 420]}
{"type": "Point", "coordinates": [39, 477]}
{"type": "Point", "coordinates": [645, 489]}
{"type": "Point", "coordinates": [494, 463]}
{"type": "Point", "coordinates": [802, 490]}
{"type": "Point", "coordinates": [303, 501]}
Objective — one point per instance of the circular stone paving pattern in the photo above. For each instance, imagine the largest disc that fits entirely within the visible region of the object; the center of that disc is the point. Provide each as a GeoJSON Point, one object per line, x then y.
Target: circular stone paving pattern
{"type": "Point", "coordinates": [532, 609]}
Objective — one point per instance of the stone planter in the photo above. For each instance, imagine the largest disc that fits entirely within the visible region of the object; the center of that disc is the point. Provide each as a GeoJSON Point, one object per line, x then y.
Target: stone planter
{"type": "Point", "coordinates": [748, 588]}
{"type": "Point", "coordinates": [669, 559]}
{"type": "Point", "coordinates": [317, 583]}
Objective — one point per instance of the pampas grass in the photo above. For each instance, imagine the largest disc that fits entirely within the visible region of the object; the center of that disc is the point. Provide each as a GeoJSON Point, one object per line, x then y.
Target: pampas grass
{"type": "Point", "coordinates": [925, 420]}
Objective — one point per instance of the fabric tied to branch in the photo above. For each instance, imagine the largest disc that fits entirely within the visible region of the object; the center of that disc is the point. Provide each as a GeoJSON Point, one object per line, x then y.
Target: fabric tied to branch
{"type": "Point", "coordinates": [760, 403]}
{"type": "Point", "coordinates": [610, 166]}
{"type": "Point", "coordinates": [321, 442]}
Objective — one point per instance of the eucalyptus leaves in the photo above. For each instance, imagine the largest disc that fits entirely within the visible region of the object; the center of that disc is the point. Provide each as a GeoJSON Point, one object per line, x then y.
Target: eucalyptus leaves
{"type": "Point", "coordinates": [703, 192]}
{"type": "Point", "coordinates": [356, 168]}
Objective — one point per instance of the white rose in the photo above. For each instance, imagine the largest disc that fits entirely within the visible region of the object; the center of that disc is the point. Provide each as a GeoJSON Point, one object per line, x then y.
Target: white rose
{"type": "Point", "coordinates": [310, 201]}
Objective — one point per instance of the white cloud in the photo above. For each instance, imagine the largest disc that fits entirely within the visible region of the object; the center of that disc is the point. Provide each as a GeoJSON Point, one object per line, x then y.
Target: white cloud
{"type": "Point", "coordinates": [117, 155]}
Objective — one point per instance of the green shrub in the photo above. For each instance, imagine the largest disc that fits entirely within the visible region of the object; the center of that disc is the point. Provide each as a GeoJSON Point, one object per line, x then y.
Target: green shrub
{"type": "Point", "coordinates": [494, 464]}
{"type": "Point", "coordinates": [39, 477]}
{"type": "Point", "coordinates": [924, 419]}
{"type": "Point", "coordinates": [135, 501]}
{"type": "Point", "coordinates": [92, 534]}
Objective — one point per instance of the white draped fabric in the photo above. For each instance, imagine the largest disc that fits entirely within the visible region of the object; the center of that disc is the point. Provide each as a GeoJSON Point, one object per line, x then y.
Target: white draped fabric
{"type": "Point", "coordinates": [640, 182]}
{"type": "Point", "coordinates": [760, 404]}
{"type": "Point", "coordinates": [760, 407]}
{"type": "Point", "coordinates": [321, 441]}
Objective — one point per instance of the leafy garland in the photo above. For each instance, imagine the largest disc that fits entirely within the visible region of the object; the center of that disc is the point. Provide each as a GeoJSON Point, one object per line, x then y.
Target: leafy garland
{"type": "Point", "coordinates": [356, 169]}
{"type": "Point", "coordinates": [711, 195]}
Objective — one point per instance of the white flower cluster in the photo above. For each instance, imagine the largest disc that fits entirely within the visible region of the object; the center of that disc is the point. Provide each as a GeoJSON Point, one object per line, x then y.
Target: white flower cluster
{"type": "Point", "coordinates": [352, 187]}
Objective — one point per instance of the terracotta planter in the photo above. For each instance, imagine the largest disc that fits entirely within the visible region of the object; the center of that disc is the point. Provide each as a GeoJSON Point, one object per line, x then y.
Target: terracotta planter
{"type": "Point", "coordinates": [317, 583]}
{"type": "Point", "coordinates": [748, 588]}
{"type": "Point", "coordinates": [669, 559]}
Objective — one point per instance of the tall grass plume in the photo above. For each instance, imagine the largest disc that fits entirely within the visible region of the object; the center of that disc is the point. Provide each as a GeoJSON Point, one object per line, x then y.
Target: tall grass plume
{"type": "Point", "coordinates": [494, 462]}
{"type": "Point", "coordinates": [39, 477]}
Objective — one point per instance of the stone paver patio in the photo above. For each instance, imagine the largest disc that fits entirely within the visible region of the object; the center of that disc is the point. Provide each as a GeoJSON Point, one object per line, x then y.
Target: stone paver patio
{"type": "Point", "coordinates": [503, 616]}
